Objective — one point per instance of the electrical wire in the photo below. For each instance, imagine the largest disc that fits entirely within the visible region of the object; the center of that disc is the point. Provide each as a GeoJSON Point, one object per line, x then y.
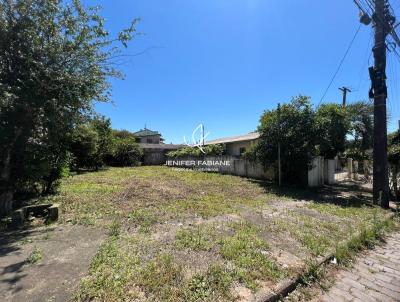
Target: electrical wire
{"type": "Point", "coordinates": [340, 64]}
{"type": "Point", "coordinates": [366, 61]}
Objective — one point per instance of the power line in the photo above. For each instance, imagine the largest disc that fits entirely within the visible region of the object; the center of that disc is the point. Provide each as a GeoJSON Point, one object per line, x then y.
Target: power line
{"type": "Point", "coordinates": [365, 63]}
{"type": "Point", "coordinates": [340, 64]}
{"type": "Point", "coordinates": [390, 22]}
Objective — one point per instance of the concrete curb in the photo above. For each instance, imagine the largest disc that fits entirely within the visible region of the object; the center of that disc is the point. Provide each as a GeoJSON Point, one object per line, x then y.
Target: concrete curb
{"type": "Point", "coordinates": [18, 217]}
{"type": "Point", "coordinates": [291, 284]}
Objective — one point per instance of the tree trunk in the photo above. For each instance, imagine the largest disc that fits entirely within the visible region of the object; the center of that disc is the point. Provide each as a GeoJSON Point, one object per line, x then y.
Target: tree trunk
{"type": "Point", "coordinates": [6, 191]}
{"type": "Point", "coordinates": [6, 194]}
{"type": "Point", "coordinates": [6, 203]}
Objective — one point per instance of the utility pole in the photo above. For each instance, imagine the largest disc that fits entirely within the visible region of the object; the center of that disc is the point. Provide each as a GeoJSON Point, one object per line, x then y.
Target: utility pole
{"type": "Point", "coordinates": [279, 146]}
{"type": "Point", "coordinates": [379, 93]}
{"type": "Point", "coordinates": [344, 90]}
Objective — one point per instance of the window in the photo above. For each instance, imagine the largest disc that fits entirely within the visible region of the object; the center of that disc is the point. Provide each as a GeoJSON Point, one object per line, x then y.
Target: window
{"type": "Point", "coordinates": [149, 141]}
{"type": "Point", "coordinates": [242, 150]}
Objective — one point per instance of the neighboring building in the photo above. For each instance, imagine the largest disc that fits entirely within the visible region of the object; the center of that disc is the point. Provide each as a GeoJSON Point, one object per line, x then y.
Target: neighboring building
{"type": "Point", "coordinates": [236, 145]}
{"type": "Point", "coordinates": [147, 136]}
{"type": "Point", "coordinates": [154, 150]}
{"type": "Point", "coordinates": [155, 154]}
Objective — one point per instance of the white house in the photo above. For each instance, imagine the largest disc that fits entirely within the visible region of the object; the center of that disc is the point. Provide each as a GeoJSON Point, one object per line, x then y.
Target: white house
{"type": "Point", "coordinates": [236, 145]}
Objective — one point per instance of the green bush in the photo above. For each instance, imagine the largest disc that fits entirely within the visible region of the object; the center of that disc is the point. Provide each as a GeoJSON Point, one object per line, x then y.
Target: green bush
{"type": "Point", "coordinates": [125, 153]}
{"type": "Point", "coordinates": [194, 151]}
{"type": "Point", "coordinates": [84, 146]}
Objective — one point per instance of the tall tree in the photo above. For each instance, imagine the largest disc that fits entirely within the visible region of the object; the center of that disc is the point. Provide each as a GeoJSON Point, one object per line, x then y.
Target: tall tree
{"type": "Point", "coordinates": [361, 119]}
{"type": "Point", "coordinates": [297, 134]}
{"type": "Point", "coordinates": [55, 59]}
{"type": "Point", "coordinates": [394, 162]}
{"type": "Point", "coordinates": [102, 126]}
{"type": "Point", "coordinates": [332, 125]}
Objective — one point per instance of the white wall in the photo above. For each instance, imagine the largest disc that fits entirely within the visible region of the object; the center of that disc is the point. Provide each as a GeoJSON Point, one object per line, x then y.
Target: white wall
{"type": "Point", "coordinates": [233, 148]}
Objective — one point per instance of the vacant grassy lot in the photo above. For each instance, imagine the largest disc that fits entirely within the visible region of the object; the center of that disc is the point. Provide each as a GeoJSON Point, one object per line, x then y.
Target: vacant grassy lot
{"type": "Point", "coordinates": [192, 236]}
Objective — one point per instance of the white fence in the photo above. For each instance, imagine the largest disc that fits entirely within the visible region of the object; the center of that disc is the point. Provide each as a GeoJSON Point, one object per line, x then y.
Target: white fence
{"type": "Point", "coordinates": [324, 171]}
{"type": "Point", "coordinates": [224, 164]}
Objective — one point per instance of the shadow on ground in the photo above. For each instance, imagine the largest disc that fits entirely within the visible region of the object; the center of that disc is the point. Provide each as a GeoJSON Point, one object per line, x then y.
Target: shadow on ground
{"type": "Point", "coordinates": [64, 255]}
{"type": "Point", "coordinates": [344, 194]}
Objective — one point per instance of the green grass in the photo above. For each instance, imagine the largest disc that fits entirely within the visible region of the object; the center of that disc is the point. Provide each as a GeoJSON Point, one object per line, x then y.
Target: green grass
{"type": "Point", "coordinates": [366, 237]}
{"type": "Point", "coordinates": [360, 212]}
{"type": "Point", "coordinates": [214, 285]}
{"type": "Point", "coordinates": [248, 252]}
{"type": "Point", "coordinates": [95, 198]}
{"type": "Point", "coordinates": [110, 273]}
{"type": "Point", "coordinates": [161, 279]}
{"type": "Point", "coordinates": [199, 238]}
{"type": "Point", "coordinates": [143, 218]}
{"type": "Point", "coordinates": [35, 256]}
{"type": "Point", "coordinates": [193, 236]}
{"type": "Point", "coordinates": [205, 206]}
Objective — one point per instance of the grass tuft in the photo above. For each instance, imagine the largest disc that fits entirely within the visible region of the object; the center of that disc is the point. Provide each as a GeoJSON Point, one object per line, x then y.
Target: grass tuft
{"type": "Point", "coordinates": [161, 279]}
{"type": "Point", "coordinates": [366, 238]}
{"type": "Point", "coordinates": [199, 238]}
{"type": "Point", "coordinates": [143, 218]}
{"type": "Point", "coordinates": [35, 256]}
{"type": "Point", "coordinates": [248, 252]}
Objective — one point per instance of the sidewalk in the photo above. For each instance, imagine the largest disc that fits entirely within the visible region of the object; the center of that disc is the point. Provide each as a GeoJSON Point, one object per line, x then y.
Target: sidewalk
{"type": "Point", "coordinates": [375, 276]}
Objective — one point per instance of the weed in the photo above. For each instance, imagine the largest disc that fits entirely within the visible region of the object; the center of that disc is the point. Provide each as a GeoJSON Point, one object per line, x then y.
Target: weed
{"type": "Point", "coordinates": [247, 251]}
{"type": "Point", "coordinates": [215, 284]}
{"type": "Point", "coordinates": [366, 238]}
{"type": "Point", "coordinates": [205, 206]}
{"type": "Point", "coordinates": [161, 278]}
{"type": "Point", "coordinates": [200, 238]}
{"type": "Point", "coordinates": [35, 256]}
{"type": "Point", "coordinates": [144, 218]}
{"type": "Point", "coordinates": [110, 272]}
{"type": "Point", "coordinates": [115, 228]}
{"type": "Point", "coordinates": [314, 273]}
{"type": "Point", "coordinates": [25, 241]}
{"type": "Point", "coordinates": [199, 289]}
{"type": "Point", "coordinates": [318, 244]}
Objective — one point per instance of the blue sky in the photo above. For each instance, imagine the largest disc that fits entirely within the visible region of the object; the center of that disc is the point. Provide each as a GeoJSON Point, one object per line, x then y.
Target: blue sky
{"type": "Point", "coordinates": [223, 62]}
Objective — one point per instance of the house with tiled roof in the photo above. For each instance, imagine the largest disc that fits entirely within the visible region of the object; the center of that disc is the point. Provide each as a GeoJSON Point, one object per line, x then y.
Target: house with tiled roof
{"type": "Point", "coordinates": [147, 136]}
{"type": "Point", "coordinates": [152, 144]}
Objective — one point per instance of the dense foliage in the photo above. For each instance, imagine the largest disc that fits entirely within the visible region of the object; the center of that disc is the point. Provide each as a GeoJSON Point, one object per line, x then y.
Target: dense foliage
{"type": "Point", "coordinates": [55, 60]}
{"type": "Point", "coordinates": [394, 162]}
{"type": "Point", "coordinates": [294, 127]}
{"type": "Point", "coordinates": [94, 145]}
{"type": "Point", "coordinates": [193, 151]}
{"type": "Point", "coordinates": [125, 153]}
{"type": "Point", "coordinates": [361, 120]}
{"type": "Point", "coordinates": [305, 132]}
{"type": "Point", "coordinates": [332, 125]}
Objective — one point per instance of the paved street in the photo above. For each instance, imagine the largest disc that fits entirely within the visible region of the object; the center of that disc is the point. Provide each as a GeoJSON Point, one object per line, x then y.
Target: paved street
{"type": "Point", "coordinates": [375, 276]}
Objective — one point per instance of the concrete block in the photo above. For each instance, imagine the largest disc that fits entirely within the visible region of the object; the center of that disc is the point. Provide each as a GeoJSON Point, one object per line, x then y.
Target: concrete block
{"type": "Point", "coordinates": [18, 217]}
{"type": "Point", "coordinates": [54, 212]}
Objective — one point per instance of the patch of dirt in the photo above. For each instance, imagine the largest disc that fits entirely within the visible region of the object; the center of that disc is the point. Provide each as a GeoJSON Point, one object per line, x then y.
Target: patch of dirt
{"type": "Point", "coordinates": [166, 232]}
{"type": "Point", "coordinates": [64, 255]}
{"type": "Point", "coordinates": [317, 215]}
{"type": "Point", "coordinates": [146, 192]}
{"type": "Point", "coordinates": [243, 293]}
{"type": "Point", "coordinates": [194, 263]}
